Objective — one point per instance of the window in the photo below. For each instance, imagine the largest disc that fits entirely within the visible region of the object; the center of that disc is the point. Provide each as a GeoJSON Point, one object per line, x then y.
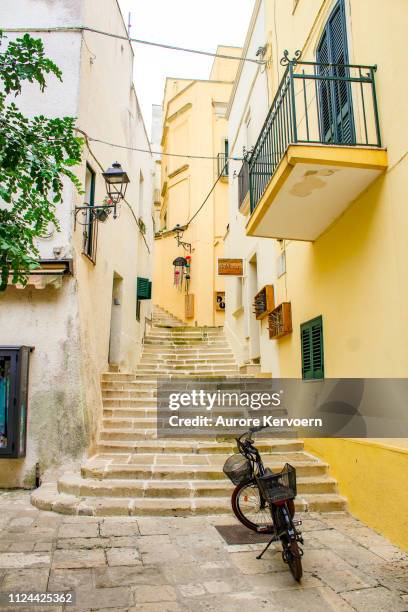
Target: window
{"type": "Point", "coordinates": [335, 104]}
{"type": "Point", "coordinates": [223, 159]}
{"type": "Point", "coordinates": [311, 339]}
{"type": "Point", "coordinates": [91, 228]}
{"type": "Point", "coordinates": [14, 366]}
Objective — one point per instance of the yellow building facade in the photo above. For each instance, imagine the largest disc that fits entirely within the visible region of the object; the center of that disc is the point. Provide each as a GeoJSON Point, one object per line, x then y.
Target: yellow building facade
{"type": "Point", "coordinates": [323, 219]}
{"type": "Point", "coordinates": [194, 124]}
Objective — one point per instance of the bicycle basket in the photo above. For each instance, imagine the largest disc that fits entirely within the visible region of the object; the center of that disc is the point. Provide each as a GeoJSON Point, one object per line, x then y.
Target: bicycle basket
{"type": "Point", "coordinates": [280, 486]}
{"type": "Point", "coordinates": [238, 469]}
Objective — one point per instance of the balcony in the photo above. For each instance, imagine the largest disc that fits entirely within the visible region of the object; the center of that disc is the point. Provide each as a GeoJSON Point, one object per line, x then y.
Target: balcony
{"type": "Point", "coordinates": [243, 185]}
{"type": "Point", "coordinates": [319, 148]}
{"type": "Point", "coordinates": [222, 165]}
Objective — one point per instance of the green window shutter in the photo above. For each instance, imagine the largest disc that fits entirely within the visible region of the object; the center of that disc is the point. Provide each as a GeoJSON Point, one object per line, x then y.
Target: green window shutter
{"type": "Point", "coordinates": [144, 288]}
{"type": "Point", "coordinates": [311, 338]}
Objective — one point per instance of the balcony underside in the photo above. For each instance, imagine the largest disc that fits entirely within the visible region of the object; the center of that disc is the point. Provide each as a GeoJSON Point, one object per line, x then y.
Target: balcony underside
{"type": "Point", "coordinates": [311, 187]}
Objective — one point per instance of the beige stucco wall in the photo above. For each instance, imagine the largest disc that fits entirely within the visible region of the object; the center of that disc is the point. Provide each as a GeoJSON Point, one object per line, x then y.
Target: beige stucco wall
{"type": "Point", "coordinates": [194, 123]}
{"type": "Point", "coordinates": [70, 327]}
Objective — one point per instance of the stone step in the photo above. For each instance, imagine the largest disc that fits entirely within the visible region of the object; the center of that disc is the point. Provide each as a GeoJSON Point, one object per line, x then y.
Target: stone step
{"type": "Point", "coordinates": [222, 448]}
{"type": "Point", "coordinates": [129, 402]}
{"type": "Point", "coordinates": [48, 498]}
{"type": "Point", "coordinates": [73, 484]}
{"type": "Point", "coordinates": [183, 351]}
{"type": "Point", "coordinates": [180, 332]}
{"type": "Point", "coordinates": [146, 471]}
{"type": "Point", "coordinates": [180, 360]}
{"type": "Point", "coordinates": [182, 369]}
{"type": "Point", "coordinates": [191, 342]}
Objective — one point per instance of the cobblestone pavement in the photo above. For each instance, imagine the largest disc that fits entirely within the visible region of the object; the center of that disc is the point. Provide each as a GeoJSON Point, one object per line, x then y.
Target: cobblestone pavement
{"type": "Point", "coordinates": [182, 564]}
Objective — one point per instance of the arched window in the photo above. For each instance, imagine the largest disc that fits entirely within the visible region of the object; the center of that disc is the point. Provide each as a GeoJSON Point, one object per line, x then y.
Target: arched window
{"type": "Point", "coordinates": [334, 96]}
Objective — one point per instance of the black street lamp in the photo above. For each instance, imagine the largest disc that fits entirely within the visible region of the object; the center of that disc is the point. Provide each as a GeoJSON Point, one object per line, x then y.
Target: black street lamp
{"type": "Point", "coordinates": [116, 181]}
{"type": "Point", "coordinates": [179, 231]}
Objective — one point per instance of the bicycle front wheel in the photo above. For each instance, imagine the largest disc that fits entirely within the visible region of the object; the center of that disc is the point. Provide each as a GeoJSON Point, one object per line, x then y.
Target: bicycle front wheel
{"type": "Point", "coordinates": [251, 509]}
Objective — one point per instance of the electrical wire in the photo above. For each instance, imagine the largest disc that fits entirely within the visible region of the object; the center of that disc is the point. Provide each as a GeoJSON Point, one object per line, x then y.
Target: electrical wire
{"type": "Point", "coordinates": [134, 40]}
{"type": "Point", "coordinates": [186, 155]}
{"type": "Point", "coordinates": [206, 198]}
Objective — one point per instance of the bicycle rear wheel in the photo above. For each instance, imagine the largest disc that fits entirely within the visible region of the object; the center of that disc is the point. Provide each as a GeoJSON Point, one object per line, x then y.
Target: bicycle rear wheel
{"type": "Point", "coordinates": [250, 508]}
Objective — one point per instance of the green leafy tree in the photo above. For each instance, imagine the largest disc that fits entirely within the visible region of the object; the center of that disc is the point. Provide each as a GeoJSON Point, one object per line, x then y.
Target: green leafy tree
{"type": "Point", "coordinates": [35, 156]}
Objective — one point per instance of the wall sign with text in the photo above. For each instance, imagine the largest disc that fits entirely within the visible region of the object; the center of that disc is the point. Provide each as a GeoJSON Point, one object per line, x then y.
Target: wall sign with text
{"type": "Point", "coordinates": [230, 267]}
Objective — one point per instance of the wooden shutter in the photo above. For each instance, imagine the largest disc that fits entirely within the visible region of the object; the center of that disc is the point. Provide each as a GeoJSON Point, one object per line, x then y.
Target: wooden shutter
{"type": "Point", "coordinates": [336, 115]}
{"type": "Point", "coordinates": [311, 338]}
{"type": "Point", "coordinates": [144, 288]}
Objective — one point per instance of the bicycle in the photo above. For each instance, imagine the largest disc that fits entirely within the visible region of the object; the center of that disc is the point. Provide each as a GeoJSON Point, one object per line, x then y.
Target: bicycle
{"type": "Point", "coordinates": [272, 496]}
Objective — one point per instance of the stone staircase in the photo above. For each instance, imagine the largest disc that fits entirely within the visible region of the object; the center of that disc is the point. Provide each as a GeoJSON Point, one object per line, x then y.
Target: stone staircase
{"type": "Point", "coordinates": [135, 473]}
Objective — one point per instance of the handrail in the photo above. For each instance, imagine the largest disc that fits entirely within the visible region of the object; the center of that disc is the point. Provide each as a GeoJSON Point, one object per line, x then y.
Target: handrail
{"type": "Point", "coordinates": [315, 103]}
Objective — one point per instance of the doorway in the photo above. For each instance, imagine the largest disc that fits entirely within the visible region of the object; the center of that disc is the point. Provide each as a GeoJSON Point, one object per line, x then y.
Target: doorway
{"type": "Point", "coordinates": [116, 321]}
{"type": "Point", "coordinates": [254, 325]}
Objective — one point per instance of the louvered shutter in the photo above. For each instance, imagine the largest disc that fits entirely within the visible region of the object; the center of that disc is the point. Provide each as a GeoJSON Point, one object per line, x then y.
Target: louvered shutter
{"type": "Point", "coordinates": [144, 288]}
{"type": "Point", "coordinates": [306, 353]}
{"type": "Point", "coordinates": [311, 334]}
{"type": "Point", "coordinates": [336, 116]}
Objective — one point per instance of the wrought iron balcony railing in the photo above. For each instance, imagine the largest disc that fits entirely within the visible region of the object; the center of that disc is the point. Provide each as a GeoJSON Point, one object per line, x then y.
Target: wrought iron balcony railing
{"type": "Point", "coordinates": [222, 163]}
{"type": "Point", "coordinates": [243, 182]}
{"type": "Point", "coordinates": [328, 104]}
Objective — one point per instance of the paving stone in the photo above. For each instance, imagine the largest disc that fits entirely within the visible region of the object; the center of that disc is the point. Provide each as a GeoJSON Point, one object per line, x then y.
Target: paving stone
{"type": "Point", "coordinates": [25, 579]}
{"type": "Point", "coordinates": [43, 547]}
{"type": "Point", "coordinates": [21, 547]}
{"type": "Point", "coordinates": [393, 575]}
{"type": "Point", "coordinates": [21, 560]}
{"type": "Point", "coordinates": [88, 543]}
{"type": "Point", "coordinates": [128, 575]}
{"type": "Point", "coordinates": [378, 598]}
{"type": "Point", "coordinates": [232, 602]}
{"type": "Point", "coordinates": [277, 581]}
{"type": "Point", "coordinates": [191, 590]}
{"type": "Point", "coordinates": [345, 580]}
{"type": "Point", "coordinates": [20, 523]}
{"type": "Point", "coordinates": [71, 559]}
{"type": "Point", "coordinates": [151, 526]}
{"type": "Point", "coordinates": [389, 552]}
{"type": "Point", "coordinates": [123, 556]}
{"type": "Point", "coordinates": [310, 600]}
{"type": "Point", "coordinates": [166, 553]}
{"type": "Point", "coordinates": [182, 572]}
{"type": "Point", "coordinates": [358, 556]}
{"type": "Point", "coordinates": [124, 541]}
{"type": "Point", "coordinates": [89, 598]}
{"type": "Point", "coordinates": [69, 579]}
{"type": "Point", "coordinates": [162, 606]}
{"type": "Point", "coordinates": [78, 530]}
{"type": "Point", "coordinates": [218, 586]}
{"type": "Point", "coordinates": [247, 563]}
{"type": "Point", "coordinates": [148, 593]}
{"type": "Point", "coordinates": [119, 529]}
{"type": "Point", "coordinates": [314, 560]}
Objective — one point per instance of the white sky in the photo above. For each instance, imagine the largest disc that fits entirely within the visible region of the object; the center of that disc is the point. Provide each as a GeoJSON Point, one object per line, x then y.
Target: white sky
{"type": "Point", "coordinates": [188, 23]}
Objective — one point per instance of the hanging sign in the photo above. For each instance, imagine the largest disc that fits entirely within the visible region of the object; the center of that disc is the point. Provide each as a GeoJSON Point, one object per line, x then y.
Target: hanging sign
{"type": "Point", "coordinates": [230, 267]}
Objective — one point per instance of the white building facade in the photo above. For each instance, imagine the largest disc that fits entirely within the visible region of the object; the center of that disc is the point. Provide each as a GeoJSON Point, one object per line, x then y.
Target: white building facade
{"type": "Point", "coordinates": [248, 107]}
{"type": "Point", "coordinates": [89, 318]}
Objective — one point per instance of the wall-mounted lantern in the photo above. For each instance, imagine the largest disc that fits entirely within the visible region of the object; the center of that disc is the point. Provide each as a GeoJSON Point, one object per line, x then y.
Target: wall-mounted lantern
{"type": "Point", "coordinates": [116, 181]}
{"type": "Point", "coordinates": [179, 231]}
